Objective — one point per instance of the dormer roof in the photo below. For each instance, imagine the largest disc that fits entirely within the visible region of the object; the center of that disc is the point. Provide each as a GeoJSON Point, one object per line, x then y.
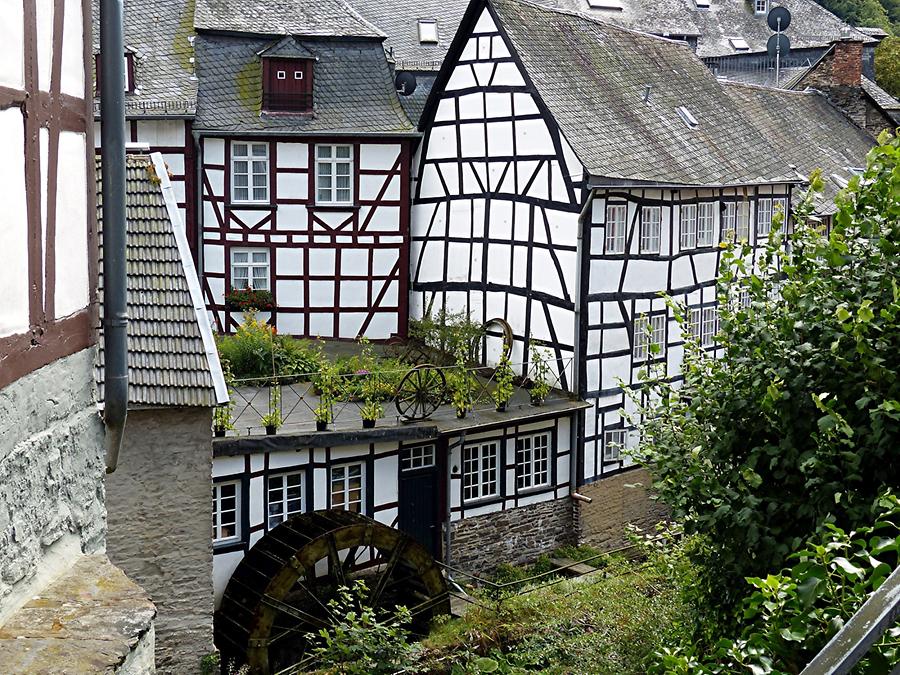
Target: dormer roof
{"type": "Point", "coordinates": [287, 47]}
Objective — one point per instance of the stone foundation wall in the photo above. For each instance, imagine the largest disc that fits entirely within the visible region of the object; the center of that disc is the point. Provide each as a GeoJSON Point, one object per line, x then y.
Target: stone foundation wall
{"type": "Point", "coordinates": [51, 476]}
{"type": "Point", "coordinates": [617, 501]}
{"type": "Point", "coordinates": [513, 536]}
{"type": "Point", "coordinates": [160, 513]}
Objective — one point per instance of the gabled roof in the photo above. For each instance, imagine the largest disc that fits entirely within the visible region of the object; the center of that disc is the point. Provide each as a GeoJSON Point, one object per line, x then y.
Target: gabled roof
{"type": "Point", "coordinates": [172, 358]}
{"type": "Point", "coordinates": [353, 88]}
{"type": "Point", "coordinates": [159, 33]}
{"type": "Point", "coordinates": [288, 47]}
{"type": "Point", "coordinates": [811, 24]}
{"type": "Point", "coordinates": [593, 78]}
{"type": "Point", "coordinates": [808, 131]}
{"type": "Point", "coordinates": [399, 19]}
{"type": "Point", "coordinates": [308, 18]}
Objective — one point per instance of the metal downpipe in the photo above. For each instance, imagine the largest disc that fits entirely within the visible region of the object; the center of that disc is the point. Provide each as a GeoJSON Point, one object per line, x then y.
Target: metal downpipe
{"type": "Point", "coordinates": [112, 153]}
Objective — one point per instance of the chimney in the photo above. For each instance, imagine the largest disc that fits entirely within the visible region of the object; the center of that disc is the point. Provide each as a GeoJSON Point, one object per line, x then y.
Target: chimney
{"type": "Point", "coordinates": [846, 69]}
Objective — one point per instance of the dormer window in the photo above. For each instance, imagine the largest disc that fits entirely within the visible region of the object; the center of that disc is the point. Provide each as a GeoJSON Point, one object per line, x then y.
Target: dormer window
{"type": "Point", "coordinates": [605, 4]}
{"type": "Point", "coordinates": [129, 73]}
{"type": "Point", "coordinates": [287, 85]}
{"type": "Point", "coordinates": [739, 44]}
{"type": "Point", "coordinates": [428, 32]}
{"type": "Point", "coordinates": [761, 6]}
{"type": "Point", "coordinates": [702, 4]}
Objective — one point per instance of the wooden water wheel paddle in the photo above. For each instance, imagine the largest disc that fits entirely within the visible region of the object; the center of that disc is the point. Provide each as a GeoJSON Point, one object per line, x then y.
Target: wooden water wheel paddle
{"type": "Point", "coordinates": [280, 591]}
{"type": "Point", "coordinates": [420, 392]}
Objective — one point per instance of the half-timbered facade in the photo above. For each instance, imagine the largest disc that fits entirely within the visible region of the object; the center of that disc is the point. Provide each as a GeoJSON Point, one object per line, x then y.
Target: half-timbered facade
{"type": "Point", "coordinates": [304, 170]}
{"type": "Point", "coordinates": [567, 178]}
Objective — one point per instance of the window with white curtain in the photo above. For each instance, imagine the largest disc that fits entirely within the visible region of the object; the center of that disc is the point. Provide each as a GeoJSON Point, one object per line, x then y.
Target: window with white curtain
{"type": "Point", "coordinates": [249, 172]}
{"type": "Point", "coordinates": [616, 219]}
{"type": "Point", "coordinates": [250, 268]}
{"type": "Point", "coordinates": [334, 174]}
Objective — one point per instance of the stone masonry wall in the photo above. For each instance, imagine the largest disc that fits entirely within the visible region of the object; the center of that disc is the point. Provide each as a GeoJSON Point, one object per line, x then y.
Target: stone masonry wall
{"type": "Point", "coordinates": [617, 501]}
{"type": "Point", "coordinates": [513, 536]}
{"type": "Point", "coordinates": [51, 473]}
{"type": "Point", "coordinates": [160, 514]}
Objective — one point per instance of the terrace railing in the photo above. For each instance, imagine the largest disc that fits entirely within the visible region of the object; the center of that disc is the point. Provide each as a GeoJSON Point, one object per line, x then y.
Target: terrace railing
{"type": "Point", "coordinates": [405, 395]}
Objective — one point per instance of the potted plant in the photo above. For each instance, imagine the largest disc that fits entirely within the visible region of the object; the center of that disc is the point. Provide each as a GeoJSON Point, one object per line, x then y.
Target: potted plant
{"type": "Point", "coordinates": [371, 412]}
{"type": "Point", "coordinates": [459, 382]}
{"type": "Point", "coordinates": [503, 378]}
{"type": "Point", "coordinates": [273, 419]}
{"type": "Point", "coordinates": [323, 414]}
{"type": "Point", "coordinates": [246, 299]}
{"type": "Point", "coordinates": [327, 386]}
{"type": "Point", "coordinates": [222, 414]}
{"type": "Point", "coordinates": [540, 387]}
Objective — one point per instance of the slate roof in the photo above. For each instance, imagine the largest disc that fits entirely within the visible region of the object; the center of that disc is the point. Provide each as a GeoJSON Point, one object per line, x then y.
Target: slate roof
{"type": "Point", "coordinates": [399, 19]}
{"type": "Point", "coordinates": [353, 88]}
{"type": "Point", "coordinates": [158, 33]}
{"type": "Point", "coordinates": [414, 103]}
{"type": "Point", "coordinates": [806, 130]}
{"type": "Point", "coordinates": [167, 360]}
{"type": "Point", "coordinates": [811, 25]}
{"type": "Point", "coordinates": [322, 18]}
{"type": "Point", "coordinates": [593, 76]}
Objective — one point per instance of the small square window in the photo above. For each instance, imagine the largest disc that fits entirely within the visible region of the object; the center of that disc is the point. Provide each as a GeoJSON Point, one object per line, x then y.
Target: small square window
{"type": "Point", "coordinates": [419, 457]}
{"type": "Point", "coordinates": [613, 444]}
{"type": "Point", "coordinates": [428, 31]}
{"type": "Point", "coordinates": [281, 75]}
{"type": "Point", "coordinates": [298, 74]}
{"type": "Point", "coordinates": [761, 6]}
{"type": "Point", "coordinates": [250, 269]}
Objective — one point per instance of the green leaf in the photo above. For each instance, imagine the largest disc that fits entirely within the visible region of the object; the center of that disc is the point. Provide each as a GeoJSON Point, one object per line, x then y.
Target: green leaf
{"type": "Point", "coordinates": [486, 665]}
{"type": "Point", "coordinates": [848, 567]}
{"type": "Point", "coordinates": [808, 590]}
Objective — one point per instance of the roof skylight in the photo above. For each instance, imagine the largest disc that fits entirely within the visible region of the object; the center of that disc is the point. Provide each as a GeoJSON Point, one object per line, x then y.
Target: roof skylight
{"type": "Point", "coordinates": [605, 4]}
{"type": "Point", "coordinates": [703, 4]}
{"type": "Point", "coordinates": [687, 117]}
{"type": "Point", "coordinates": [428, 32]}
{"type": "Point", "coordinates": [739, 43]}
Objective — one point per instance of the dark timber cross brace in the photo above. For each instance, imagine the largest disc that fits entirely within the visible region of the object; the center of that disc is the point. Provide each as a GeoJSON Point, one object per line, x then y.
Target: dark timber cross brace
{"type": "Point", "coordinates": [280, 590]}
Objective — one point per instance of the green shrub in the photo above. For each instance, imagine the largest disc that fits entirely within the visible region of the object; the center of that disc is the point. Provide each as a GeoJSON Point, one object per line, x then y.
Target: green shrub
{"type": "Point", "coordinates": [257, 351]}
{"type": "Point", "coordinates": [449, 334]}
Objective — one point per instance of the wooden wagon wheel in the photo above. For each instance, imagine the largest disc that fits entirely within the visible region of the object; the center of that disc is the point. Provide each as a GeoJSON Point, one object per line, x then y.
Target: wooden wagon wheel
{"type": "Point", "coordinates": [505, 327]}
{"type": "Point", "coordinates": [280, 590]}
{"type": "Point", "coordinates": [420, 392]}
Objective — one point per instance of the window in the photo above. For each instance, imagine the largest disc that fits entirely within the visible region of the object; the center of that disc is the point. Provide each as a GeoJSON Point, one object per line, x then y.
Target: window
{"type": "Point", "coordinates": [729, 211]}
{"type": "Point", "coordinates": [334, 170]}
{"type": "Point", "coordinates": [742, 226]}
{"type": "Point", "coordinates": [250, 172]}
{"type": "Point", "coordinates": [763, 217]}
{"type": "Point", "coordinates": [281, 75]}
{"type": "Point", "coordinates": [657, 336]}
{"type": "Point", "coordinates": [761, 6]}
{"type": "Point", "coordinates": [419, 457]}
{"type": "Point", "coordinates": [480, 476]}
{"type": "Point", "coordinates": [298, 74]}
{"type": "Point", "coordinates": [532, 461]}
{"type": "Point", "coordinates": [688, 226]}
{"type": "Point", "coordinates": [285, 494]}
{"type": "Point", "coordinates": [616, 216]}
{"type": "Point", "coordinates": [347, 487]}
{"type": "Point", "coordinates": [226, 512]}
{"type": "Point", "coordinates": [250, 268]}
{"type": "Point", "coordinates": [605, 4]}
{"type": "Point", "coordinates": [428, 33]}
{"type": "Point", "coordinates": [703, 4]}
{"type": "Point", "coordinates": [687, 117]}
{"type": "Point", "coordinates": [613, 444]}
{"type": "Point", "coordinates": [287, 85]}
{"type": "Point", "coordinates": [780, 206]}
{"type": "Point", "coordinates": [706, 219]}
{"type": "Point", "coordinates": [739, 44]}
{"type": "Point", "coordinates": [650, 229]}
{"type": "Point", "coordinates": [708, 325]}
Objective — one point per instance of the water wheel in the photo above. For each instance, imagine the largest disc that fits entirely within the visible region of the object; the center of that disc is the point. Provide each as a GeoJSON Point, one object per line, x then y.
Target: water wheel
{"type": "Point", "coordinates": [280, 591]}
{"type": "Point", "coordinates": [420, 392]}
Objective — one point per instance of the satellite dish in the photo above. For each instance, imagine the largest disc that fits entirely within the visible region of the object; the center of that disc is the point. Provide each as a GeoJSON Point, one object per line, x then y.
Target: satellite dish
{"type": "Point", "coordinates": [405, 83]}
{"type": "Point", "coordinates": [772, 46]}
{"type": "Point", "coordinates": [777, 13]}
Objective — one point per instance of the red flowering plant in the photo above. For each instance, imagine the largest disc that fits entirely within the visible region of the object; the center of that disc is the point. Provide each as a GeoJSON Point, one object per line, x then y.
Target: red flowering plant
{"type": "Point", "coordinates": [248, 298]}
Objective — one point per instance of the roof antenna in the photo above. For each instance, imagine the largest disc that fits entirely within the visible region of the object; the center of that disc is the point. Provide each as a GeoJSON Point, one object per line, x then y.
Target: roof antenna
{"type": "Point", "coordinates": [647, 89]}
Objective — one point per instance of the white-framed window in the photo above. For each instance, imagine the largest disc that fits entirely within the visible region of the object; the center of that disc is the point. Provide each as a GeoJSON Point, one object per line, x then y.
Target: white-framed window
{"type": "Point", "coordinates": [693, 322]}
{"type": "Point", "coordinates": [742, 225]}
{"type": "Point", "coordinates": [281, 75]}
{"type": "Point", "coordinates": [480, 471]}
{"type": "Point", "coordinates": [657, 336]}
{"type": "Point", "coordinates": [417, 457]}
{"type": "Point", "coordinates": [613, 444]}
{"type": "Point", "coordinates": [298, 74]}
{"type": "Point", "coordinates": [334, 174]}
{"type": "Point", "coordinates": [706, 223]}
{"type": "Point", "coordinates": [763, 217]}
{"type": "Point", "coordinates": [739, 44]}
{"type": "Point", "coordinates": [708, 326]}
{"type": "Point", "coordinates": [688, 238]}
{"type": "Point", "coordinates": [285, 496]}
{"type": "Point", "coordinates": [780, 206]}
{"type": "Point", "coordinates": [651, 225]}
{"type": "Point", "coordinates": [729, 221]}
{"type": "Point", "coordinates": [761, 6]}
{"type": "Point", "coordinates": [428, 31]}
{"type": "Point", "coordinates": [347, 487]}
{"type": "Point", "coordinates": [532, 461]}
{"type": "Point", "coordinates": [226, 506]}
{"type": "Point", "coordinates": [249, 172]}
{"type": "Point", "coordinates": [616, 219]}
{"type": "Point", "coordinates": [250, 268]}
{"type": "Point", "coordinates": [743, 299]}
